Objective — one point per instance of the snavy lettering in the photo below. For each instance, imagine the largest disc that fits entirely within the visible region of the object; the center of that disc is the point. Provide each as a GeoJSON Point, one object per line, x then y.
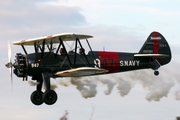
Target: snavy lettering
{"type": "Point", "coordinates": [129, 63]}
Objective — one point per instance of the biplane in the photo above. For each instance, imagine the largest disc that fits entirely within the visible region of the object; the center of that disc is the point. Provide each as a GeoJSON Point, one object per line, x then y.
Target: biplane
{"type": "Point", "coordinates": [47, 62]}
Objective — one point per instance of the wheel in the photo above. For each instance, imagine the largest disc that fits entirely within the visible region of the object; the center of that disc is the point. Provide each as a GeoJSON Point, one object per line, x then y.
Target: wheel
{"type": "Point", "coordinates": [36, 97]}
{"type": "Point", "coordinates": [50, 97]}
{"type": "Point", "coordinates": [156, 73]}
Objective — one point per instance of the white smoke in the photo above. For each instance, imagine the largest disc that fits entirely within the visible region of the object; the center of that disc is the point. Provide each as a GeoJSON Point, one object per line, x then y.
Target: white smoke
{"type": "Point", "coordinates": [86, 87]}
{"type": "Point", "coordinates": [53, 86]}
{"type": "Point", "coordinates": [123, 87]}
{"type": "Point", "coordinates": [177, 95]}
{"type": "Point", "coordinates": [159, 90]}
{"type": "Point", "coordinates": [34, 83]}
{"type": "Point", "coordinates": [110, 84]}
{"type": "Point", "coordinates": [156, 87]}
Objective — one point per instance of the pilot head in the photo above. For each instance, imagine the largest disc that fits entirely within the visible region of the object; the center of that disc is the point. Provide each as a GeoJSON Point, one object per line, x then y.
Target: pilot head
{"type": "Point", "coordinates": [81, 51]}
{"type": "Point", "coordinates": [62, 51]}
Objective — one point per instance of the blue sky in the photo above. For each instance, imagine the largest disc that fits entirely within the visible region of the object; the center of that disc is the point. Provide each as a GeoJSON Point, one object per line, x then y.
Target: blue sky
{"type": "Point", "coordinates": [118, 25]}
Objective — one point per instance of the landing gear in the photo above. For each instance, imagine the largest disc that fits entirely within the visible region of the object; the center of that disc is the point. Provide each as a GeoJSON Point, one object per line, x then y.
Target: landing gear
{"type": "Point", "coordinates": [49, 96]}
{"type": "Point", "coordinates": [156, 72]}
{"type": "Point", "coordinates": [36, 98]}
{"type": "Point", "coordinates": [155, 65]}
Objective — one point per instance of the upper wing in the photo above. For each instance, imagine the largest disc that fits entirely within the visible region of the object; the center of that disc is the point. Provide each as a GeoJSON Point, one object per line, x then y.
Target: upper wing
{"type": "Point", "coordinates": [82, 71]}
{"type": "Point", "coordinates": [53, 38]}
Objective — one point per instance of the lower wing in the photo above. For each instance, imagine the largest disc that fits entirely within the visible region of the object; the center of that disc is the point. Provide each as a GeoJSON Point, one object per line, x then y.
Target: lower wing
{"type": "Point", "coordinates": [82, 71]}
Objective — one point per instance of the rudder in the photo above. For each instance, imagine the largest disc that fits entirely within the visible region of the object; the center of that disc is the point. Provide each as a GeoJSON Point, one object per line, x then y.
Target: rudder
{"type": "Point", "coordinates": [157, 44]}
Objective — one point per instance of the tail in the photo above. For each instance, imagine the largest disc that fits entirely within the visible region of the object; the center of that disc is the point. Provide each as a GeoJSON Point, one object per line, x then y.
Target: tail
{"type": "Point", "coordinates": [157, 48]}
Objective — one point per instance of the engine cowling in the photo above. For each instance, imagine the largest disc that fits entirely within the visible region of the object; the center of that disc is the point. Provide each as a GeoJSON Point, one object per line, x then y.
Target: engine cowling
{"type": "Point", "coordinates": [20, 65]}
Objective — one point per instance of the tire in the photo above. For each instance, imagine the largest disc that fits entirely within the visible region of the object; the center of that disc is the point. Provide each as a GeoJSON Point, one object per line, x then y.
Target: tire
{"type": "Point", "coordinates": [49, 97]}
{"type": "Point", "coordinates": [156, 73]}
{"type": "Point", "coordinates": [36, 97]}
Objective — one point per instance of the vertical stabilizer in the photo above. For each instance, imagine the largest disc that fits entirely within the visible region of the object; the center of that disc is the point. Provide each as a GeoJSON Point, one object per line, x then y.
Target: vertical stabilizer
{"type": "Point", "coordinates": [157, 44]}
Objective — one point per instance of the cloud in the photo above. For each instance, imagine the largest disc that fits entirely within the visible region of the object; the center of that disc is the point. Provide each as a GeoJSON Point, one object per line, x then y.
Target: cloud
{"type": "Point", "coordinates": [21, 18]}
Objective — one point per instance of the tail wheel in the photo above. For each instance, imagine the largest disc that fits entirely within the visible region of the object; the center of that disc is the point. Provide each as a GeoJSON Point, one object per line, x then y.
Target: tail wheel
{"type": "Point", "coordinates": [36, 97]}
{"type": "Point", "coordinates": [156, 73]}
{"type": "Point", "coordinates": [49, 97]}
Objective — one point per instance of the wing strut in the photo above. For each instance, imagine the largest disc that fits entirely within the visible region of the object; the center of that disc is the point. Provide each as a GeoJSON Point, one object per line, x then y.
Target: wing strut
{"type": "Point", "coordinates": [24, 49]}
{"type": "Point", "coordinates": [92, 52]}
{"type": "Point", "coordinates": [51, 47]}
{"type": "Point", "coordinates": [83, 54]}
{"type": "Point", "coordinates": [75, 52]}
{"type": "Point", "coordinates": [35, 47]}
{"type": "Point", "coordinates": [58, 49]}
{"type": "Point", "coordinates": [42, 51]}
{"type": "Point", "coordinates": [65, 52]}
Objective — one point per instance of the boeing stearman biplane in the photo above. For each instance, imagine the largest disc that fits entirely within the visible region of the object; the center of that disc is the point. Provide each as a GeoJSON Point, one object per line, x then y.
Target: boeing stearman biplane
{"type": "Point", "coordinates": [46, 62]}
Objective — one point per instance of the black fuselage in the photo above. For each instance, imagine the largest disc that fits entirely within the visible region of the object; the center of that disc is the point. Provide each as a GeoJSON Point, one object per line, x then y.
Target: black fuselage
{"type": "Point", "coordinates": [111, 61]}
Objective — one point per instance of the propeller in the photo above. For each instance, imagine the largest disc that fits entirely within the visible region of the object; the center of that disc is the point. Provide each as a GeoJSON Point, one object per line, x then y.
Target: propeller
{"type": "Point", "coordinates": [9, 64]}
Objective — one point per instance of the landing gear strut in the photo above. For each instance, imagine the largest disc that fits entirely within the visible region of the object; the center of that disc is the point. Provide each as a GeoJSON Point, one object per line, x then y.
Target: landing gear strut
{"type": "Point", "coordinates": [155, 65]}
{"type": "Point", "coordinates": [49, 96]}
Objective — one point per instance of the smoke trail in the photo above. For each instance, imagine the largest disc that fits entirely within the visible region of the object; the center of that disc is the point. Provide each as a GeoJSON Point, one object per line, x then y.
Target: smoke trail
{"type": "Point", "coordinates": [157, 87]}
{"type": "Point", "coordinates": [123, 87]}
{"type": "Point", "coordinates": [53, 86]}
{"type": "Point", "coordinates": [86, 87]}
{"type": "Point", "coordinates": [159, 90]}
{"type": "Point", "coordinates": [177, 95]}
{"type": "Point", "coordinates": [65, 82]}
{"type": "Point", "coordinates": [32, 83]}
{"type": "Point", "coordinates": [110, 84]}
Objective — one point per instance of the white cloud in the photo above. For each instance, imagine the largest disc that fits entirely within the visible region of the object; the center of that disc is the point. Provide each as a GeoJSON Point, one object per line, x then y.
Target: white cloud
{"type": "Point", "coordinates": [33, 19]}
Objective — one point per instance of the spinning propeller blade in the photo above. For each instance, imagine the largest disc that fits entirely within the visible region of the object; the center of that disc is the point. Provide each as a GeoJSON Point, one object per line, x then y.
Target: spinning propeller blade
{"type": "Point", "coordinates": [10, 62]}
{"type": "Point", "coordinates": [9, 52]}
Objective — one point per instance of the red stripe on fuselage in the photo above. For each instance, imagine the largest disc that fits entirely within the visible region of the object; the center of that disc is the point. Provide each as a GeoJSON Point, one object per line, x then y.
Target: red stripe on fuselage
{"type": "Point", "coordinates": [109, 61]}
{"type": "Point", "coordinates": [156, 43]}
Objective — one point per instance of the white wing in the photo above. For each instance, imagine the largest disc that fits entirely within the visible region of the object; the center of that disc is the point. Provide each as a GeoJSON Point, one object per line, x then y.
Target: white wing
{"type": "Point", "coordinates": [53, 38]}
{"type": "Point", "coordinates": [82, 71]}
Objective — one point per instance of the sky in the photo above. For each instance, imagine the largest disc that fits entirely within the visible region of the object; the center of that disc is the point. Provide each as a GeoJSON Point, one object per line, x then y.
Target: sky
{"type": "Point", "coordinates": [118, 25]}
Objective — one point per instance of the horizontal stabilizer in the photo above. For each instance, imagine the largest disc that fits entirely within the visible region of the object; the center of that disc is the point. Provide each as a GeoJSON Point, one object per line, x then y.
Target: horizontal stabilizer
{"type": "Point", "coordinates": [151, 55]}
{"type": "Point", "coordinates": [82, 71]}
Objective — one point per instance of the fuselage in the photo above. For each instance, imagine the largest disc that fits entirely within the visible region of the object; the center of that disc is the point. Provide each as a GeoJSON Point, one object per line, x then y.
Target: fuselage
{"type": "Point", "coordinates": [111, 61]}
